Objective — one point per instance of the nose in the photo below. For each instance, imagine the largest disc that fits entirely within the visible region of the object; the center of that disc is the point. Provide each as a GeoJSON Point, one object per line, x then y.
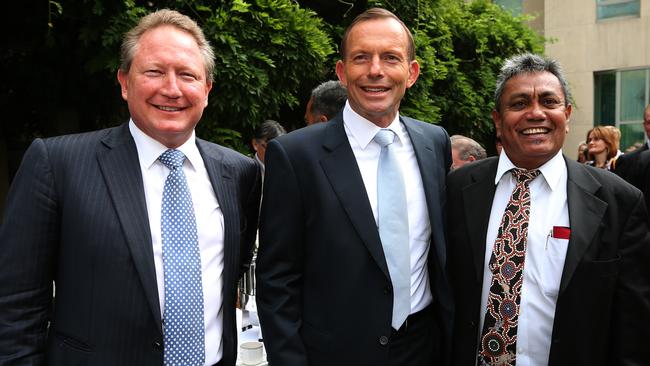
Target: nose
{"type": "Point", "coordinates": [170, 87]}
{"type": "Point", "coordinates": [376, 69]}
{"type": "Point", "coordinates": [535, 112]}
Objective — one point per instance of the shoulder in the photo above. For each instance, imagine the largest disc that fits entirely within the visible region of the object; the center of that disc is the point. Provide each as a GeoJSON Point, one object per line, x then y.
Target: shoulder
{"type": "Point", "coordinates": [424, 126]}
{"type": "Point", "coordinates": [228, 155]}
{"type": "Point", "coordinates": [476, 171]}
{"type": "Point", "coordinates": [611, 186]}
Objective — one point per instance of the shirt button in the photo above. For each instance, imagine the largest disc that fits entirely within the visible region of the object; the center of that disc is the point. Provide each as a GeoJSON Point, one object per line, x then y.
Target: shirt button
{"type": "Point", "coordinates": [383, 340]}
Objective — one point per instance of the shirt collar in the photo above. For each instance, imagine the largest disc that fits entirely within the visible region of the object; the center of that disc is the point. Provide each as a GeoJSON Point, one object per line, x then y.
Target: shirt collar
{"type": "Point", "coordinates": [364, 131]}
{"type": "Point", "coordinates": [150, 149]}
{"type": "Point", "coordinates": [552, 170]}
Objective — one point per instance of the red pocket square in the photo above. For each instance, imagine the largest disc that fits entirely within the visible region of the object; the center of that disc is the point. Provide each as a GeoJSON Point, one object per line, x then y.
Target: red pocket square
{"type": "Point", "coordinates": [561, 232]}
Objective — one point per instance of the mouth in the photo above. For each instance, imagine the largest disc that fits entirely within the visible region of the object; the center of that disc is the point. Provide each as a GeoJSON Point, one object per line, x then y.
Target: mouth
{"type": "Point", "coordinates": [168, 109]}
{"type": "Point", "coordinates": [376, 89]}
{"type": "Point", "coordinates": [535, 131]}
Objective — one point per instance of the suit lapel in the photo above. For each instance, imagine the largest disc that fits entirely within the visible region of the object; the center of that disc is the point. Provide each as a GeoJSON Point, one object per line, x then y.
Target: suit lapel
{"type": "Point", "coordinates": [121, 170]}
{"type": "Point", "coordinates": [586, 212]}
{"type": "Point", "coordinates": [220, 175]}
{"type": "Point", "coordinates": [340, 167]}
{"type": "Point", "coordinates": [477, 204]}
{"type": "Point", "coordinates": [424, 152]}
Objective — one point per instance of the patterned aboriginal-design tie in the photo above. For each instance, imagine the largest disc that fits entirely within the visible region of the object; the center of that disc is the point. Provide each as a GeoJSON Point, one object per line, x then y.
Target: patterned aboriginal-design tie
{"type": "Point", "coordinates": [499, 335]}
{"type": "Point", "coordinates": [183, 329]}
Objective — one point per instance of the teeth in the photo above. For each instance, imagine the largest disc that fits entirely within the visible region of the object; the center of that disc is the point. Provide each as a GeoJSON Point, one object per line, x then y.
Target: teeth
{"type": "Point", "coordinates": [532, 131]}
{"type": "Point", "coordinates": [168, 109]}
{"type": "Point", "coordinates": [375, 89]}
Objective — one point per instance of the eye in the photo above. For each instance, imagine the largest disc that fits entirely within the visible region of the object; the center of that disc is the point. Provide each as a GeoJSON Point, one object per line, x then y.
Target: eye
{"type": "Point", "coordinates": [153, 72]}
{"type": "Point", "coordinates": [360, 57]}
{"type": "Point", "coordinates": [551, 102]}
{"type": "Point", "coordinates": [518, 104]}
{"type": "Point", "coordinates": [392, 58]}
{"type": "Point", "coordinates": [188, 76]}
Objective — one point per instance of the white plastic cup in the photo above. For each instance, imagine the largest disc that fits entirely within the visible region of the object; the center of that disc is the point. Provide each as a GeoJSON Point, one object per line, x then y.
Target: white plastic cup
{"type": "Point", "coordinates": [251, 353]}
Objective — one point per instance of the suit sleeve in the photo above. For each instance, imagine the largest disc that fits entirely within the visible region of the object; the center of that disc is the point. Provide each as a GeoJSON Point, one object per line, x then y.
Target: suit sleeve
{"type": "Point", "coordinates": [28, 244]}
{"type": "Point", "coordinates": [251, 206]}
{"type": "Point", "coordinates": [279, 262]}
{"type": "Point", "coordinates": [631, 308]}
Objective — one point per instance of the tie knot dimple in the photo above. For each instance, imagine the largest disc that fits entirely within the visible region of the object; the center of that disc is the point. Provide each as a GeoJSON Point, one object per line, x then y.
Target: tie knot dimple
{"type": "Point", "coordinates": [525, 176]}
{"type": "Point", "coordinates": [384, 137]}
{"type": "Point", "coordinates": [172, 158]}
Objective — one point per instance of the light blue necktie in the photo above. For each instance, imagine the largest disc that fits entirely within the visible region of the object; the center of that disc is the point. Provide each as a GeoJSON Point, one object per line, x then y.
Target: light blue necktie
{"type": "Point", "coordinates": [183, 328]}
{"type": "Point", "coordinates": [392, 219]}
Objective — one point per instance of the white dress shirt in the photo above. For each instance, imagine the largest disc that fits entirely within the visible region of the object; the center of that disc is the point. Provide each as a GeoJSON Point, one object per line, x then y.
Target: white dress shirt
{"type": "Point", "coordinates": [209, 226]}
{"type": "Point", "coordinates": [544, 255]}
{"type": "Point", "coordinates": [360, 133]}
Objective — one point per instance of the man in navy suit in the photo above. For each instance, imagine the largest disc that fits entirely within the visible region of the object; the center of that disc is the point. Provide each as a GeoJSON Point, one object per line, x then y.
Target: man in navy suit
{"type": "Point", "coordinates": [83, 219]}
{"type": "Point", "coordinates": [574, 288]}
{"type": "Point", "coordinates": [325, 293]}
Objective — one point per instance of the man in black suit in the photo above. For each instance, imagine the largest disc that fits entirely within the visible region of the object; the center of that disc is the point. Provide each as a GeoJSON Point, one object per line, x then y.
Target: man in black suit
{"type": "Point", "coordinates": [325, 293]}
{"type": "Point", "coordinates": [582, 251]}
{"type": "Point", "coordinates": [86, 213]}
{"type": "Point", "coordinates": [633, 167]}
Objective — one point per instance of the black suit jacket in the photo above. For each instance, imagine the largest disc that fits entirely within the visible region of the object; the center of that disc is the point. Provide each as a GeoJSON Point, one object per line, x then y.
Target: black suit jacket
{"type": "Point", "coordinates": [76, 215]}
{"type": "Point", "coordinates": [626, 165]}
{"type": "Point", "coordinates": [323, 291]}
{"type": "Point", "coordinates": [603, 307]}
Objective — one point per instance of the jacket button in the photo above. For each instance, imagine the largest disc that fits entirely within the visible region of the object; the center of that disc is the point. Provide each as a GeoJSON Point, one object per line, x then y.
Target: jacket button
{"type": "Point", "coordinates": [383, 340]}
{"type": "Point", "coordinates": [157, 345]}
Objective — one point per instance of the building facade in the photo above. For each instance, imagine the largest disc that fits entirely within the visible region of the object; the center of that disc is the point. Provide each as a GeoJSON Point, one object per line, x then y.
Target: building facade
{"type": "Point", "coordinates": [604, 49]}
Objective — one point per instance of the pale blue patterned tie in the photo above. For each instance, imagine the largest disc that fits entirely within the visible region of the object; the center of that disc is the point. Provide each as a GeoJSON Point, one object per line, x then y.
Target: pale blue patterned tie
{"type": "Point", "coordinates": [183, 315]}
{"type": "Point", "coordinates": [392, 220]}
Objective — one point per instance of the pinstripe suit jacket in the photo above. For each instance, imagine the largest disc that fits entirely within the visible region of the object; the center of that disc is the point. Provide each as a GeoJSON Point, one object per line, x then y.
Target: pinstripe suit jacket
{"type": "Point", "coordinates": [76, 216]}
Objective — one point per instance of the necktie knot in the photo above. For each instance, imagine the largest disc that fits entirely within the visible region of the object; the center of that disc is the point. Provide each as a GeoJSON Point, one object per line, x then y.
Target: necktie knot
{"type": "Point", "coordinates": [384, 137]}
{"type": "Point", "coordinates": [524, 176]}
{"type": "Point", "coordinates": [172, 158]}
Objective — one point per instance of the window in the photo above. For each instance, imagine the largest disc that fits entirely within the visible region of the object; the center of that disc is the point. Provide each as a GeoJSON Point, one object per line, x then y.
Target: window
{"type": "Point", "coordinates": [606, 9]}
{"type": "Point", "coordinates": [620, 98]}
{"type": "Point", "coordinates": [513, 6]}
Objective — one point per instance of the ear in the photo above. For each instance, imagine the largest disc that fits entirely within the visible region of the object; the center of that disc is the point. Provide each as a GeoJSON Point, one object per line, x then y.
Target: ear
{"type": "Point", "coordinates": [340, 72]}
{"type": "Point", "coordinates": [123, 78]}
{"type": "Point", "coordinates": [323, 118]}
{"type": "Point", "coordinates": [471, 158]}
{"type": "Point", "coordinates": [208, 87]}
{"type": "Point", "coordinates": [567, 113]}
{"type": "Point", "coordinates": [414, 72]}
{"type": "Point", "coordinates": [496, 118]}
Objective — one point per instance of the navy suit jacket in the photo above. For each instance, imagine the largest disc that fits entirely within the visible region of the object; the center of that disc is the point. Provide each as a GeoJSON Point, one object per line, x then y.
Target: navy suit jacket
{"type": "Point", "coordinates": [76, 216]}
{"type": "Point", "coordinates": [324, 293]}
{"type": "Point", "coordinates": [602, 315]}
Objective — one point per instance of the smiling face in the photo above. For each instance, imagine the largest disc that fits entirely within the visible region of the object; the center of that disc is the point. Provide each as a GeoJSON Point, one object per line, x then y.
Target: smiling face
{"type": "Point", "coordinates": [166, 87]}
{"type": "Point", "coordinates": [533, 117]}
{"type": "Point", "coordinates": [376, 69]}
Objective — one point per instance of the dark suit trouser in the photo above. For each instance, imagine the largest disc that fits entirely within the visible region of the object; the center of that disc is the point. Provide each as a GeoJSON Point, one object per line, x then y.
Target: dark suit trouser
{"type": "Point", "coordinates": [417, 344]}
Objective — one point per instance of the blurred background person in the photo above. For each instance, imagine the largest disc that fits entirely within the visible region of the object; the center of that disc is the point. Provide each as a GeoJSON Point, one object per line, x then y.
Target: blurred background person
{"type": "Point", "coordinates": [625, 166]}
{"type": "Point", "coordinates": [616, 134]}
{"type": "Point", "coordinates": [602, 147]}
{"type": "Point", "coordinates": [465, 150]}
{"type": "Point", "coordinates": [583, 151]}
{"type": "Point", "coordinates": [327, 99]}
{"type": "Point", "coordinates": [264, 133]}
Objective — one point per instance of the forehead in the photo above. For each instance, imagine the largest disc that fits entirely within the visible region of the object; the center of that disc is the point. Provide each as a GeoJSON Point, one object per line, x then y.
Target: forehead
{"type": "Point", "coordinates": [377, 32]}
{"type": "Point", "coordinates": [533, 83]}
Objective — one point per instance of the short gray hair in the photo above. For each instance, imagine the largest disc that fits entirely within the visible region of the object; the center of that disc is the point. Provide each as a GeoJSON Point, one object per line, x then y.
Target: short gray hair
{"type": "Point", "coordinates": [467, 147]}
{"type": "Point", "coordinates": [159, 19]}
{"type": "Point", "coordinates": [328, 98]}
{"type": "Point", "coordinates": [528, 63]}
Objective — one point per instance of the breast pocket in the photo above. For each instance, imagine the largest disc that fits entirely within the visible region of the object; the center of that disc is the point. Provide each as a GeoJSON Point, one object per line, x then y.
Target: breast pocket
{"type": "Point", "coordinates": [553, 265]}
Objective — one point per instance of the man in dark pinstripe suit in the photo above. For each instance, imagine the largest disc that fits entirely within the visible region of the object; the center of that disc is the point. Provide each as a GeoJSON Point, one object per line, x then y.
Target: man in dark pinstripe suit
{"type": "Point", "coordinates": [84, 214]}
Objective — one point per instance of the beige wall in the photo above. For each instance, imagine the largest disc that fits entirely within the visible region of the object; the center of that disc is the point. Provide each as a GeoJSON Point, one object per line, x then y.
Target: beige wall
{"type": "Point", "coordinates": [584, 45]}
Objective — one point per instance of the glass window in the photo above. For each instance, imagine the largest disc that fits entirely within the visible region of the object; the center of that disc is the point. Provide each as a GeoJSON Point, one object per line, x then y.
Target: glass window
{"type": "Point", "coordinates": [632, 95]}
{"type": "Point", "coordinates": [514, 6]}
{"type": "Point", "coordinates": [620, 98]}
{"type": "Point", "coordinates": [606, 9]}
{"type": "Point", "coordinates": [605, 98]}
